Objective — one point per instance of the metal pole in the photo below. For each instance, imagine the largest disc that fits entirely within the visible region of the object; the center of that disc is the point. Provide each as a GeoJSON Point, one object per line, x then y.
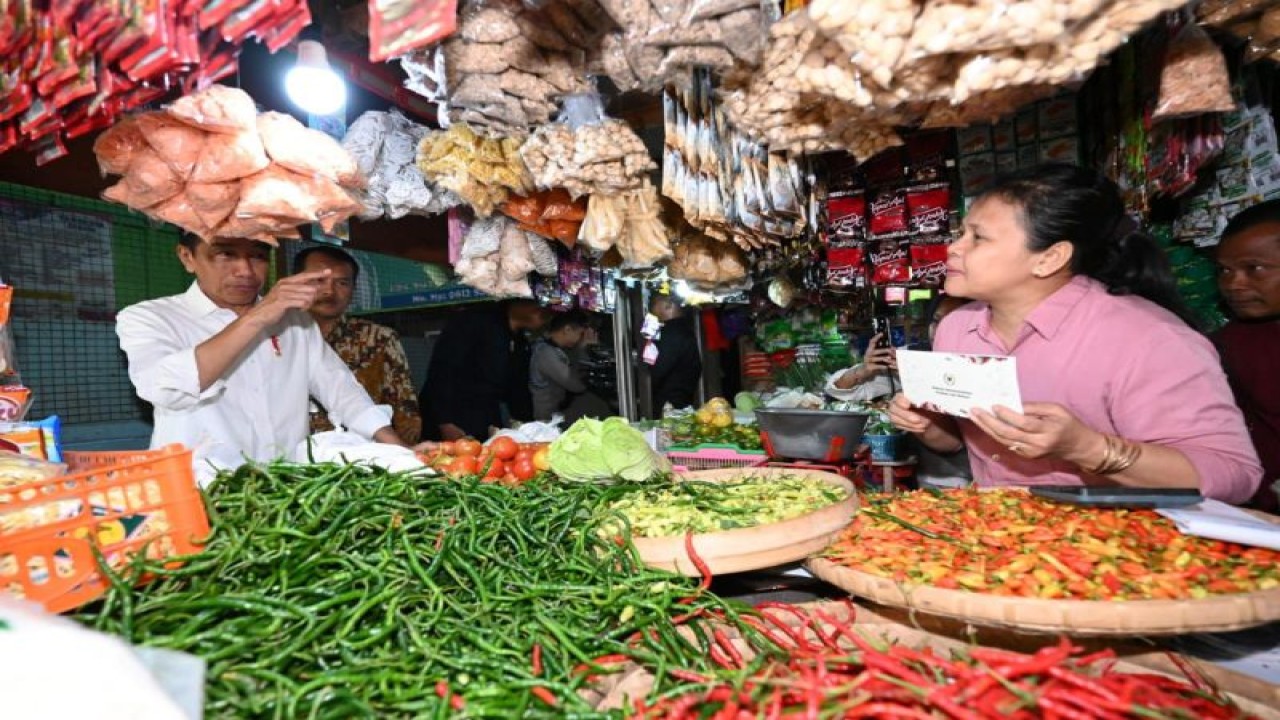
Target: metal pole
{"type": "Point", "coordinates": [622, 352]}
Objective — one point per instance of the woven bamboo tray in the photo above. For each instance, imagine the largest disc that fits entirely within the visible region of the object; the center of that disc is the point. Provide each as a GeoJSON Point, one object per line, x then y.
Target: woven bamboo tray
{"type": "Point", "coordinates": [1217, 613]}
{"type": "Point", "coordinates": [759, 547]}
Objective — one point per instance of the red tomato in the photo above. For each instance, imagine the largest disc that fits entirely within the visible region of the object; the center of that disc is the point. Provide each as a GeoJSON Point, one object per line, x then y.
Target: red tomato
{"type": "Point", "coordinates": [524, 470]}
{"type": "Point", "coordinates": [462, 466]}
{"type": "Point", "coordinates": [496, 469]}
{"type": "Point", "coordinates": [446, 448]}
{"type": "Point", "coordinates": [524, 454]}
{"type": "Point", "coordinates": [504, 448]}
{"type": "Point", "coordinates": [467, 447]}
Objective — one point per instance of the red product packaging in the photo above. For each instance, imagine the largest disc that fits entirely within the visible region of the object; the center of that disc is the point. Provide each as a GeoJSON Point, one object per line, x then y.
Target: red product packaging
{"type": "Point", "coordinates": [846, 267]}
{"type": "Point", "coordinates": [929, 209]}
{"type": "Point", "coordinates": [890, 264]}
{"type": "Point", "coordinates": [847, 219]}
{"type": "Point", "coordinates": [888, 215]}
{"type": "Point", "coordinates": [929, 264]}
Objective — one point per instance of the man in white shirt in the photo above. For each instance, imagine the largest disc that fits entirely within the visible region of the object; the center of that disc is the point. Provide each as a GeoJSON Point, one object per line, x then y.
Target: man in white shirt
{"type": "Point", "coordinates": [229, 373]}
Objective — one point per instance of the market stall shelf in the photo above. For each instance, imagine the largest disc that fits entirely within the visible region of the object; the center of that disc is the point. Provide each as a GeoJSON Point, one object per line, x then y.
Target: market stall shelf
{"type": "Point", "coordinates": [1216, 613]}
{"type": "Point", "coordinates": [754, 548]}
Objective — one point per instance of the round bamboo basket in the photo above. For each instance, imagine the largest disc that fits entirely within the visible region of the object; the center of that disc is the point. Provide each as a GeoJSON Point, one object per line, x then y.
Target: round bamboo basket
{"type": "Point", "coordinates": [762, 546]}
{"type": "Point", "coordinates": [1216, 613]}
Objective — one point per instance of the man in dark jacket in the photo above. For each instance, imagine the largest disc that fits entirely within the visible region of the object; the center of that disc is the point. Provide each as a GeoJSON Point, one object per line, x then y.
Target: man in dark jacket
{"type": "Point", "coordinates": [1249, 280]}
{"type": "Point", "coordinates": [471, 370]}
{"type": "Point", "coordinates": [678, 368]}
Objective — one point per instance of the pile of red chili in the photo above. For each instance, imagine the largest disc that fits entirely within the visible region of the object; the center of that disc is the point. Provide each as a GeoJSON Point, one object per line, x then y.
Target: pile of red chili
{"type": "Point", "coordinates": [827, 669]}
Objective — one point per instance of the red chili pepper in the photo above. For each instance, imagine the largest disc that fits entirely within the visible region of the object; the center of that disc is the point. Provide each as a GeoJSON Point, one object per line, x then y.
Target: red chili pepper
{"type": "Point", "coordinates": [537, 659]}
{"type": "Point", "coordinates": [719, 657]}
{"type": "Point", "coordinates": [886, 710]}
{"type": "Point", "coordinates": [1063, 710]}
{"type": "Point", "coordinates": [682, 619]}
{"type": "Point", "coordinates": [688, 676]}
{"type": "Point", "coordinates": [1193, 674]}
{"type": "Point", "coordinates": [698, 563]}
{"type": "Point", "coordinates": [455, 701]}
{"type": "Point", "coordinates": [729, 648]}
{"type": "Point", "coordinates": [544, 695]}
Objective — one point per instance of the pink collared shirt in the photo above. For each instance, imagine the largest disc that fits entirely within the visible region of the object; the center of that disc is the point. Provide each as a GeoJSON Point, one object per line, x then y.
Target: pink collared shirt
{"type": "Point", "coordinates": [1122, 365]}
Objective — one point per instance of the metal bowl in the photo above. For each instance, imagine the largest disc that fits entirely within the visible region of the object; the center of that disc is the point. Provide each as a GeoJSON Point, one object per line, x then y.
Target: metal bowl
{"type": "Point", "coordinates": [821, 435]}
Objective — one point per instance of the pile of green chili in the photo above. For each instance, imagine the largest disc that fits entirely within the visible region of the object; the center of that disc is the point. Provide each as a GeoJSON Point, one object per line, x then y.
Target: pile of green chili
{"type": "Point", "coordinates": [343, 591]}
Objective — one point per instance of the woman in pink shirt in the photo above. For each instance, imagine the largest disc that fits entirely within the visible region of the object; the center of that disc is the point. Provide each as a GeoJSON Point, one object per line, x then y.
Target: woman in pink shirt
{"type": "Point", "coordinates": [1118, 388]}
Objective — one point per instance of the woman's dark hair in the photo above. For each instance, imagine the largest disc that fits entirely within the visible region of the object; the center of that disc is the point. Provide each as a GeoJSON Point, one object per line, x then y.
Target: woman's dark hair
{"type": "Point", "coordinates": [560, 321]}
{"type": "Point", "coordinates": [1061, 202]}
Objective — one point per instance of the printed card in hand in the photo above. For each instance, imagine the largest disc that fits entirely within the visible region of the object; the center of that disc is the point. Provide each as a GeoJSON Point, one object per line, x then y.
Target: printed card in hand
{"type": "Point", "coordinates": [954, 384]}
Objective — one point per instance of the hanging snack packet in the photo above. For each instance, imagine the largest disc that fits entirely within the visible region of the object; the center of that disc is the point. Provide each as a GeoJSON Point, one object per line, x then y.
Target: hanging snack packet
{"type": "Point", "coordinates": [1194, 79]}
{"type": "Point", "coordinates": [14, 400]}
{"type": "Point", "coordinates": [33, 440]}
{"type": "Point", "coordinates": [889, 215]}
{"type": "Point", "coordinates": [890, 264]}
{"type": "Point", "coordinates": [929, 209]}
{"type": "Point", "coordinates": [929, 264]}
{"type": "Point", "coordinates": [8, 356]}
{"type": "Point", "coordinates": [847, 220]}
{"type": "Point", "coordinates": [846, 267]}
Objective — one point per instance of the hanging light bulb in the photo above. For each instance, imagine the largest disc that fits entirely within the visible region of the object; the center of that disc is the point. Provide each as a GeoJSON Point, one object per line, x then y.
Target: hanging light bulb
{"type": "Point", "coordinates": [312, 84]}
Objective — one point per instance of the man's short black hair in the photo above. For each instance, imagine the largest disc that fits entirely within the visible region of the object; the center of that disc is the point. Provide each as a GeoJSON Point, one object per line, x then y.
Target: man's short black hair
{"type": "Point", "coordinates": [329, 251]}
{"type": "Point", "coordinates": [1263, 213]}
{"type": "Point", "coordinates": [560, 321]}
{"type": "Point", "coordinates": [190, 241]}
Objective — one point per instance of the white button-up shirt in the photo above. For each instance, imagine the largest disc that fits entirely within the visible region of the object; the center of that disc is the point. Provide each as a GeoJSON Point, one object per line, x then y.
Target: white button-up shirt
{"type": "Point", "coordinates": [258, 409]}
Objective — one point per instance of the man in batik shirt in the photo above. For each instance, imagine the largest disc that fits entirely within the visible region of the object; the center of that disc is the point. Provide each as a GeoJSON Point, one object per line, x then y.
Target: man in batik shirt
{"type": "Point", "coordinates": [372, 351]}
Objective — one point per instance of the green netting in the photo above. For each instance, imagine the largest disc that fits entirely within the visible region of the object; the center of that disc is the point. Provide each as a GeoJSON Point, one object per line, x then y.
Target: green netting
{"type": "Point", "coordinates": [74, 262]}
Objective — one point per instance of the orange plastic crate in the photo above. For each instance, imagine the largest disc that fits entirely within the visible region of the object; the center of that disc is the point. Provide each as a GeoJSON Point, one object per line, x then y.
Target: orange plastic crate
{"type": "Point", "coordinates": [124, 501]}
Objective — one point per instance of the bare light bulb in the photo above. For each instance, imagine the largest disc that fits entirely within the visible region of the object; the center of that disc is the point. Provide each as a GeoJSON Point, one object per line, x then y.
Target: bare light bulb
{"type": "Point", "coordinates": [312, 84]}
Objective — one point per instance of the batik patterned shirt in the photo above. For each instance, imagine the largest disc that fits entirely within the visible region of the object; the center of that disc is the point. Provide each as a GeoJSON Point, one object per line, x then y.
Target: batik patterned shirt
{"type": "Point", "coordinates": [374, 354]}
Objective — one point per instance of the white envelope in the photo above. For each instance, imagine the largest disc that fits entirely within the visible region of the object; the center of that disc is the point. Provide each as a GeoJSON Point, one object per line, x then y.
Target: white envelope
{"type": "Point", "coordinates": [952, 383]}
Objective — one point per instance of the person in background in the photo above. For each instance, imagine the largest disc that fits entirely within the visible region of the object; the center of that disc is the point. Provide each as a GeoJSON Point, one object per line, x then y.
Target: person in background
{"type": "Point", "coordinates": [230, 373]}
{"type": "Point", "coordinates": [372, 351]}
{"type": "Point", "coordinates": [1249, 280]}
{"type": "Point", "coordinates": [554, 379]}
{"type": "Point", "coordinates": [867, 380]}
{"type": "Point", "coordinates": [1119, 388]}
{"type": "Point", "coordinates": [678, 368]}
{"type": "Point", "coordinates": [470, 373]}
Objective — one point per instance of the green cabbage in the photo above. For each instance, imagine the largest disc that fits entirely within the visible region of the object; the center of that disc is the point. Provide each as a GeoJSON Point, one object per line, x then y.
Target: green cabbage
{"type": "Point", "coordinates": [594, 450]}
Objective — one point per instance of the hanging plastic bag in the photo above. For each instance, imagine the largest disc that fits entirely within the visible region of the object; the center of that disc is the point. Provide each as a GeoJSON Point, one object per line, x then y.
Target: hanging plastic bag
{"type": "Point", "coordinates": [1194, 79]}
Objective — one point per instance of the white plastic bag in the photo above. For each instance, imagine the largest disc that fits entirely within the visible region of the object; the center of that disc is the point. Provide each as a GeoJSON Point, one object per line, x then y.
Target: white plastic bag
{"type": "Point", "coordinates": [52, 667]}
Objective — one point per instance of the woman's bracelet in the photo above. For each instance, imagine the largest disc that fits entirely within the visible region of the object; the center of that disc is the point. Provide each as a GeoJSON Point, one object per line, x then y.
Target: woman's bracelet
{"type": "Point", "coordinates": [1120, 455]}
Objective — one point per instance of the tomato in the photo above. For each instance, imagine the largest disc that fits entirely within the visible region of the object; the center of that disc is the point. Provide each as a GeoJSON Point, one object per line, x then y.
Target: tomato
{"type": "Point", "coordinates": [542, 459]}
{"type": "Point", "coordinates": [504, 448]}
{"type": "Point", "coordinates": [447, 448]}
{"type": "Point", "coordinates": [524, 454]}
{"type": "Point", "coordinates": [462, 466]}
{"type": "Point", "coordinates": [467, 447]}
{"type": "Point", "coordinates": [497, 469]}
{"type": "Point", "coordinates": [524, 470]}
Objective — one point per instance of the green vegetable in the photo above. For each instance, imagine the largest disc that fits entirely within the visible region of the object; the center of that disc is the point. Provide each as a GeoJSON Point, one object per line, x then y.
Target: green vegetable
{"type": "Point", "coordinates": [349, 592]}
{"type": "Point", "coordinates": [675, 507]}
{"type": "Point", "coordinates": [747, 401]}
{"type": "Point", "coordinates": [595, 450]}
